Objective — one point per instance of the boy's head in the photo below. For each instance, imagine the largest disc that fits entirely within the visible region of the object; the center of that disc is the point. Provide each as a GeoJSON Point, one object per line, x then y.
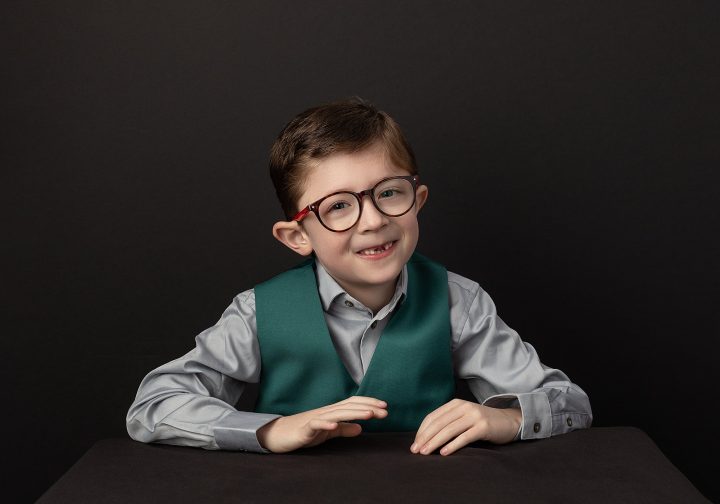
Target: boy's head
{"type": "Point", "coordinates": [345, 126]}
{"type": "Point", "coordinates": [344, 174]}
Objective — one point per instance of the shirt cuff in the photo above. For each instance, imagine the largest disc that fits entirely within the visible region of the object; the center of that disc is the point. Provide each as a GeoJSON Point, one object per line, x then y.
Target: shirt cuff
{"type": "Point", "coordinates": [535, 408]}
{"type": "Point", "coordinates": [238, 431]}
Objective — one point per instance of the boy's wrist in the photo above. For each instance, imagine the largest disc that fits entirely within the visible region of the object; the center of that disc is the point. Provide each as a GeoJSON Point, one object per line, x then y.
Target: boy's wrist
{"type": "Point", "coordinates": [515, 415]}
{"type": "Point", "coordinates": [264, 432]}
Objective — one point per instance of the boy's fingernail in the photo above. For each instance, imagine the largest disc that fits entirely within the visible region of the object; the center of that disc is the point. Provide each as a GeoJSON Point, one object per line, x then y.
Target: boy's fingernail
{"type": "Point", "coordinates": [413, 448]}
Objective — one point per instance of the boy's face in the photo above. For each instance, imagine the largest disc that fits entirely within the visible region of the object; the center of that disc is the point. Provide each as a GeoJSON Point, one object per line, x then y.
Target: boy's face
{"type": "Point", "coordinates": [366, 277]}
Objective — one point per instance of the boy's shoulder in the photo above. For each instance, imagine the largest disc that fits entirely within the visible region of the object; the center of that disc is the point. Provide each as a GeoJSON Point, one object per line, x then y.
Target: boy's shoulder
{"type": "Point", "coordinates": [463, 282]}
{"type": "Point", "coordinates": [466, 287]}
{"type": "Point", "coordinates": [245, 299]}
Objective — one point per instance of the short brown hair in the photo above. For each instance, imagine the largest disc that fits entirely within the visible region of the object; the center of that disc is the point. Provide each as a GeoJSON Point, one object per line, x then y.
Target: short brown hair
{"type": "Point", "coordinates": [343, 126]}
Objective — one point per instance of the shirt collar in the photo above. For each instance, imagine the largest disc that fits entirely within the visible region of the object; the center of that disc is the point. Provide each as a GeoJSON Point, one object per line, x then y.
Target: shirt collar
{"type": "Point", "coordinates": [330, 290]}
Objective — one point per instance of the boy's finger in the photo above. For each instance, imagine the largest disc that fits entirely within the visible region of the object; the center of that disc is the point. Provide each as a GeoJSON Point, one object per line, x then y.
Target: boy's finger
{"type": "Point", "coordinates": [371, 401]}
{"type": "Point", "coordinates": [358, 407]}
{"type": "Point", "coordinates": [346, 430]}
{"type": "Point", "coordinates": [318, 424]}
{"type": "Point", "coordinates": [360, 401]}
{"type": "Point", "coordinates": [462, 440]}
{"type": "Point", "coordinates": [433, 415]}
{"type": "Point", "coordinates": [433, 427]}
{"type": "Point", "coordinates": [377, 412]}
{"type": "Point", "coordinates": [450, 432]}
{"type": "Point", "coordinates": [346, 415]}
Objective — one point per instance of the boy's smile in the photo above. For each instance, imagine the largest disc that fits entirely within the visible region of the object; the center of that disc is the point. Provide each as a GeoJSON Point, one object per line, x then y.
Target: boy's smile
{"type": "Point", "coordinates": [367, 258]}
{"type": "Point", "coordinates": [379, 252]}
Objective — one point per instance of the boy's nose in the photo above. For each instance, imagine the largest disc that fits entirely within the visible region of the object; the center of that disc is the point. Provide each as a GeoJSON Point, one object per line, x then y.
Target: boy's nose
{"type": "Point", "coordinates": [371, 218]}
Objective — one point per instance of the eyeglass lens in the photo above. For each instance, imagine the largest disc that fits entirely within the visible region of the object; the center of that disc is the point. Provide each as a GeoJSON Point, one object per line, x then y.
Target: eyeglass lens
{"type": "Point", "coordinates": [392, 197]}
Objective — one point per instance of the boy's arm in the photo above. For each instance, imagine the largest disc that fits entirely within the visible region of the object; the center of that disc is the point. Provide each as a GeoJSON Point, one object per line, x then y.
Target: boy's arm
{"type": "Point", "coordinates": [189, 401]}
{"type": "Point", "coordinates": [504, 372]}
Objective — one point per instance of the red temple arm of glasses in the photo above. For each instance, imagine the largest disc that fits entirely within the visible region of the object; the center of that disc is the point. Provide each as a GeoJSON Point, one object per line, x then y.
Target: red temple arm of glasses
{"type": "Point", "coordinates": [301, 214]}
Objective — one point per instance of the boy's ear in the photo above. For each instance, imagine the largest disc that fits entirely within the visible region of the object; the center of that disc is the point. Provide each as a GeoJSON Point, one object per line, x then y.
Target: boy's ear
{"type": "Point", "coordinates": [421, 197]}
{"type": "Point", "coordinates": [292, 235]}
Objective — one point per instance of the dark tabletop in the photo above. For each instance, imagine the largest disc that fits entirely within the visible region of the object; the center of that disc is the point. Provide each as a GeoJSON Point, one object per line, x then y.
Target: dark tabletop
{"type": "Point", "coordinates": [608, 465]}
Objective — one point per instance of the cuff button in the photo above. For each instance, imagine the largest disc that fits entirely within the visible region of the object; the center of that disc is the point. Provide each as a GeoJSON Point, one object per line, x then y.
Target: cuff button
{"type": "Point", "coordinates": [569, 422]}
{"type": "Point", "coordinates": [536, 428]}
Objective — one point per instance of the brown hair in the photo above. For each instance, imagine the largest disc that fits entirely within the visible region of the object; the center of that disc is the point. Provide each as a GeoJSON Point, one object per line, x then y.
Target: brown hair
{"type": "Point", "coordinates": [344, 126]}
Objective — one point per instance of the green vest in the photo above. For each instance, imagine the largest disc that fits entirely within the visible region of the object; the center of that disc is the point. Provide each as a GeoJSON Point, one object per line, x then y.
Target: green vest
{"type": "Point", "coordinates": [411, 368]}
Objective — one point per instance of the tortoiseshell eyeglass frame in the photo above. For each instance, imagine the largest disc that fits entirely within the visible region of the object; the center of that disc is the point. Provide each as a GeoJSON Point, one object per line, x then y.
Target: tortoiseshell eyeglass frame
{"type": "Point", "coordinates": [314, 206]}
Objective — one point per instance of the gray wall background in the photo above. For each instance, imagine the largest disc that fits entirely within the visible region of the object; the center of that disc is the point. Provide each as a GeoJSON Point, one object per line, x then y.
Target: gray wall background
{"type": "Point", "coordinates": [571, 150]}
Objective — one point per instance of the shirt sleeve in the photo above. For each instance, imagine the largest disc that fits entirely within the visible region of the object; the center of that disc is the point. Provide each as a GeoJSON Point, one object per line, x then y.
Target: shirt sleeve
{"type": "Point", "coordinates": [502, 371]}
{"type": "Point", "coordinates": [189, 401]}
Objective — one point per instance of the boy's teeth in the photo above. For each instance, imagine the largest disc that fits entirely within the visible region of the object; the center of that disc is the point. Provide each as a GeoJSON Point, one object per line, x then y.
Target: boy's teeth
{"type": "Point", "coordinates": [376, 250]}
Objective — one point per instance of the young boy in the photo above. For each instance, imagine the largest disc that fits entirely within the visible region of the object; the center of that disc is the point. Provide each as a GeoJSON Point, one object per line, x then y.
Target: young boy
{"type": "Point", "coordinates": [364, 335]}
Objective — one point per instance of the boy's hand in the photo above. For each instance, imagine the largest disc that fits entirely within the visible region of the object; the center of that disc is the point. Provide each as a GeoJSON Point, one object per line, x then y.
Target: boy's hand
{"type": "Point", "coordinates": [316, 426]}
{"type": "Point", "coordinates": [459, 423]}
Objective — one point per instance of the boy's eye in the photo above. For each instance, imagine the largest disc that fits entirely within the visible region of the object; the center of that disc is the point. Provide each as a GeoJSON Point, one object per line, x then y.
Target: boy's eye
{"type": "Point", "coordinates": [388, 193]}
{"type": "Point", "coordinates": [337, 206]}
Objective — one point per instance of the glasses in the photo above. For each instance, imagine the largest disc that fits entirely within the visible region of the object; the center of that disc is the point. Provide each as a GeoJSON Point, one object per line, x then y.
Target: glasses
{"type": "Point", "coordinates": [338, 212]}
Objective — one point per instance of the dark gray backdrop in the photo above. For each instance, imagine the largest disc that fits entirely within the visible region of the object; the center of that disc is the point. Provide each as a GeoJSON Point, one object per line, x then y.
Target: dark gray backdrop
{"type": "Point", "coordinates": [570, 148]}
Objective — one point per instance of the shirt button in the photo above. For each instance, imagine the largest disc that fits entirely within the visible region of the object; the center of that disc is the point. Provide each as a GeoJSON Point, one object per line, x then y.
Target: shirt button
{"type": "Point", "coordinates": [569, 422]}
{"type": "Point", "coordinates": [349, 304]}
{"type": "Point", "coordinates": [374, 325]}
{"type": "Point", "coordinates": [536, 428]}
